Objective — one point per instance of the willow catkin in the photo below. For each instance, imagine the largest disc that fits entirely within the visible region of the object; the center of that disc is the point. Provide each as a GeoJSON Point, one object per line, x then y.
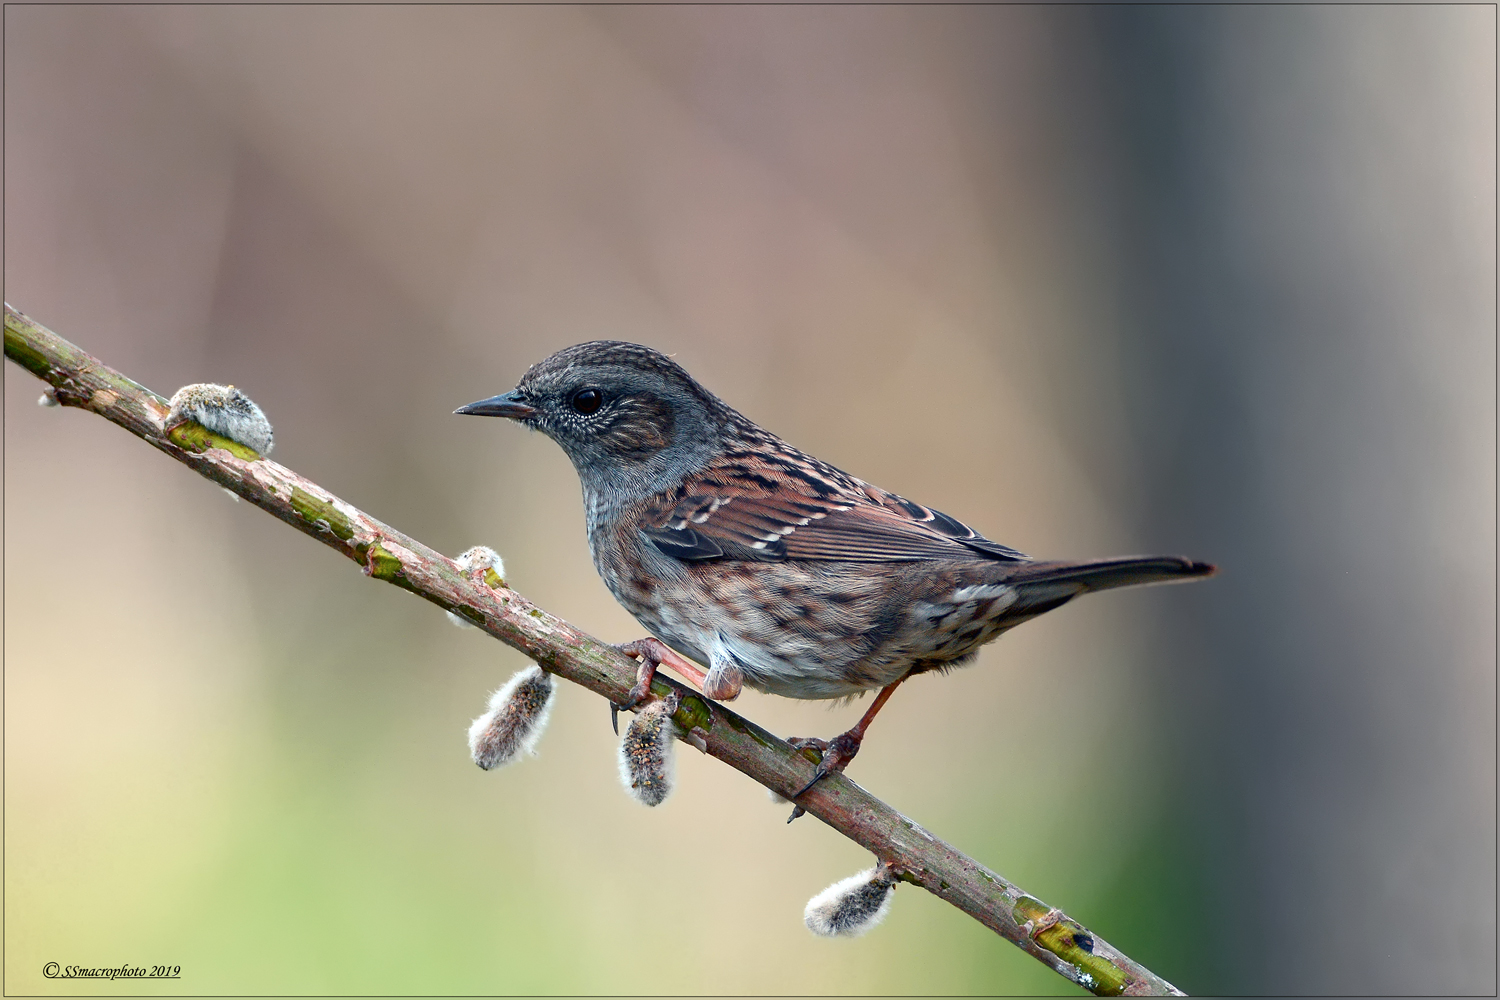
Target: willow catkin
{"type": "Point", "coordinates": [851, 907]}
{"type": "Point", "coordinates": [480, 556]}
{"type": "Point", "coordinates": [225, 410]}
{"type": "Point", "coordinates": [646, 753]}
{"type": "Point", "coordinates": [515, 720]}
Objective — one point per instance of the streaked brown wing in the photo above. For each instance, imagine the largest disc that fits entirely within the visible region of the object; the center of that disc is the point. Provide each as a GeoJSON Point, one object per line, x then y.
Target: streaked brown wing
{"type": "Point", "coordinates": [823, 517]}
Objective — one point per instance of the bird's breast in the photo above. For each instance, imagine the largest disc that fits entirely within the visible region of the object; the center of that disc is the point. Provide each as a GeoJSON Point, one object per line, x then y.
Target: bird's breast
{"type": "Point", "coordinates": [652, 587]}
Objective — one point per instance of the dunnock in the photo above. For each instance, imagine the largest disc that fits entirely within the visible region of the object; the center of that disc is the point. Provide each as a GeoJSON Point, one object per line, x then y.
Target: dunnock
{"type": "Point", "coordinates": [768, 566]}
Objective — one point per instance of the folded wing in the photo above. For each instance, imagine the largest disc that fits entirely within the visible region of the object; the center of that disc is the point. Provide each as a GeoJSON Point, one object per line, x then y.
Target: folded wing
{"type": "Point", "coordinates": [808, 513]}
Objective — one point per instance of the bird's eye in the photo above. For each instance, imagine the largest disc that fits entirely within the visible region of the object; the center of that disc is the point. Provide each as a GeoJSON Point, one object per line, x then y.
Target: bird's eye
{"type": "Point", "coordinates": [586, 401]}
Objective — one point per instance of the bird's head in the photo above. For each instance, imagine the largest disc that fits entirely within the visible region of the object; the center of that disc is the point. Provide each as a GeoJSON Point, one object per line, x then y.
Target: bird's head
{"type": "Point", "coordinates": [628, 416]}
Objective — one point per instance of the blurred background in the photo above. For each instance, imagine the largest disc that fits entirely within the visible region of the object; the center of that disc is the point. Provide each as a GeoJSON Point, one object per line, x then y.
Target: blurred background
{"type": "Point", "coordinates": [1209, 281]}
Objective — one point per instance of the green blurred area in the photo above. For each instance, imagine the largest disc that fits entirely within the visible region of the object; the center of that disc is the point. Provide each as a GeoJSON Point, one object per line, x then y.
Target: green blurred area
{"type": "Point", "coordinates": [1216, 282]}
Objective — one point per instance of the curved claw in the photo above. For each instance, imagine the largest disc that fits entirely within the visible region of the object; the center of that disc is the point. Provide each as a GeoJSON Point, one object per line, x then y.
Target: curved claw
{"type": "Point", "coordinates": [818, 775]}
{"type": "Point", "coordinates": [633, 699]}
{"type": "Point", "coordinates": [837, 753]}
{"type": "Point", "coordinates": [802, 743]}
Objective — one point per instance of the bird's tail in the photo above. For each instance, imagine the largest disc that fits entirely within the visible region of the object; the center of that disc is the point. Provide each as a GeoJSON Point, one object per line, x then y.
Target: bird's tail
{"type": "Point", "coordinates": [1042, 586]}
{"type": "Point", "coordinates": [1106, 574]}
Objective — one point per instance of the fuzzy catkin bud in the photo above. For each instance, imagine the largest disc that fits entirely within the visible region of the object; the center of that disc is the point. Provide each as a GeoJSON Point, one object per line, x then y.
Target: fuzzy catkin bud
{"type": "Point", "coordinates": [482, 555]}
{"type": "Point", "coordinates": [852, 906]}
{"type": "Point", "coordinates": [646, 757]}
{"type": "Point", "coordinates": [225, 410]}
{"type": "Point", "coordinates": [48, 398]}
{"type": "Point", "coordinates": [471, 559]}
{"type": "Point", "coordinates": [518, 714]}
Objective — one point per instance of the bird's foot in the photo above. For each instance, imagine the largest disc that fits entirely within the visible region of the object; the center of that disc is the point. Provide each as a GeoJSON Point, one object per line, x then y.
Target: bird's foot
{"type": "Point", "coordinates": [836, 755]}
{"type": "Point", "coordinates": [652, 653]}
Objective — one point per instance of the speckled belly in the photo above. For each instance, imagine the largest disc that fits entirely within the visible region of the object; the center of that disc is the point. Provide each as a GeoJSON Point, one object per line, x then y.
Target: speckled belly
{"type": "Point", "coordinates": [810, 630]}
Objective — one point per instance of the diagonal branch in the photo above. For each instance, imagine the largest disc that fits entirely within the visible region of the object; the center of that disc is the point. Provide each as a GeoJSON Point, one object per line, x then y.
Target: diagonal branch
{"type": "Point", "coordinates": [80, 380]}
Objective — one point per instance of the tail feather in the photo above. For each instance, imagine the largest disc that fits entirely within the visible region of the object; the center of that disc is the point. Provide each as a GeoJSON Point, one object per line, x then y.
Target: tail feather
{"type": "Point", "coordinates": [1042, 586]}
{"type": "Point", "coordinates": [1105, 574]}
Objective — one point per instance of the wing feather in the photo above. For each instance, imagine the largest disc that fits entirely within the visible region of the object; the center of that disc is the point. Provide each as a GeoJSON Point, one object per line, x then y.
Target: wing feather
{"type": "Point", "coordinates": [804, 511]}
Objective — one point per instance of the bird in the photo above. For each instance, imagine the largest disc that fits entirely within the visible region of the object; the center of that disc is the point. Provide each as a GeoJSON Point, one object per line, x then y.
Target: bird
{"type": "Point", "coordinates": [750, 562]}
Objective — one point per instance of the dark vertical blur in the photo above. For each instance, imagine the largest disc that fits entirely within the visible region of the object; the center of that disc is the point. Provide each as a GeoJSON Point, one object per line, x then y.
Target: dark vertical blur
{"type": "Point", "coordinates": [1217, 281]}
{"type": "Point", "coordinates": [1303, 231]}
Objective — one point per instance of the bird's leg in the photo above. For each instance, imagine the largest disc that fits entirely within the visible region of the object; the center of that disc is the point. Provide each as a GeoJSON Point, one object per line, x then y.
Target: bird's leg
{"type": "Point", "coordinates": [653, 653]}
{"type": "Point", "coordinates": [839, 751]}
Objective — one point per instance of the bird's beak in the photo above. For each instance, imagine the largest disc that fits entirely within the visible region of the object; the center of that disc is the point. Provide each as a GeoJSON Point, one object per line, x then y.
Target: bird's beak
{"type": "Point", "coordinates": [511, 404]}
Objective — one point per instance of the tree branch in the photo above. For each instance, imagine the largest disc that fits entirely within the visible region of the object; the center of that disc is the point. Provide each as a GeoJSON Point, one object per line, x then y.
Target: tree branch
{"type": "Point", "coordinates": [79, 380]}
